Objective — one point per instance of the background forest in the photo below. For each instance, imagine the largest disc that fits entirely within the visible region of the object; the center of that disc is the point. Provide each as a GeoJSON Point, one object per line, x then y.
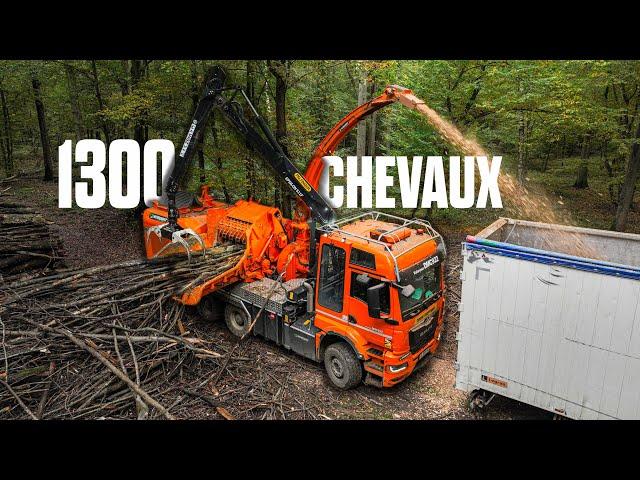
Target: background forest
{"type": "Point", "coordinates": [567, 129]}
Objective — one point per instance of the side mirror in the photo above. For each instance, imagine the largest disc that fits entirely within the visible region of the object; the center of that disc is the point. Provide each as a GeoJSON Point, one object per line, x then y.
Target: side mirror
{"type": "Point", "coordinates": [373, 299]}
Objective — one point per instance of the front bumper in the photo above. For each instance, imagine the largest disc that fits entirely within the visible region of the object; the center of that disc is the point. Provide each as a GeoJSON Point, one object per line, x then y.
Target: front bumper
{"type": "Point", "coordinates": [413, 361]}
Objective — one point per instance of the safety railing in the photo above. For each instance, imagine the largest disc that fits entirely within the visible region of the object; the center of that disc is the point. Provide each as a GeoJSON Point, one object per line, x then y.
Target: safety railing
{"type": "Point", "coordinates": [413, 223]}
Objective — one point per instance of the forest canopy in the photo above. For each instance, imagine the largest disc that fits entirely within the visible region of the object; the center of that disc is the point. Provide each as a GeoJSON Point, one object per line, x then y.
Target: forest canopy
{"type": "Point", "coordinates": [536, 114]}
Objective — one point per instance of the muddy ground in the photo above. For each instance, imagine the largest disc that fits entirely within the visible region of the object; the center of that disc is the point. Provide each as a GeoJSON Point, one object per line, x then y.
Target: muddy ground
{"type": "Point", "coordinates": [106, 235]}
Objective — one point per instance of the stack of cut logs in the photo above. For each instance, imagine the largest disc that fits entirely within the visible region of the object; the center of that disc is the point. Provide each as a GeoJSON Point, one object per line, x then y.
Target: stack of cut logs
{"type": "Point", "coordinates": [27, 241]}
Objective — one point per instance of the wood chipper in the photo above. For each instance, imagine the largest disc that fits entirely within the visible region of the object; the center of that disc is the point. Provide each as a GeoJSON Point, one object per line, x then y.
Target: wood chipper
{"type": "Point", "coordinates": [364, 294]}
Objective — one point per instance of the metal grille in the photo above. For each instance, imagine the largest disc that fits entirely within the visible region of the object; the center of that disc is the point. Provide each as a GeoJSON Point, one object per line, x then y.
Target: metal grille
{"type": "Point", "coordinates": [422, 335]}
{"type": "Point", "coordinates": [232, 229]}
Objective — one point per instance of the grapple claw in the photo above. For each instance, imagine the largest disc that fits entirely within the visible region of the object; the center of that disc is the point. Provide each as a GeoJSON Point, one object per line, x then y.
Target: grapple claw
{"type": "Point", "coordinates": [179, 237]}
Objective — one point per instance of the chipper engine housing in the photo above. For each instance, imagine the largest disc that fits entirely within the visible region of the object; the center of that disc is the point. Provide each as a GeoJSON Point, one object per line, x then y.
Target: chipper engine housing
{"type": "Point", "coordinates": [272, 243]}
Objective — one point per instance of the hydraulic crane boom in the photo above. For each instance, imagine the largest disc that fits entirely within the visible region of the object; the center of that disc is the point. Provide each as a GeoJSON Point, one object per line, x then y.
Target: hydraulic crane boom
{"type": "Point", "coordinates": [328, 145]}
{"type": "Point", "coordinates": [269, 149]}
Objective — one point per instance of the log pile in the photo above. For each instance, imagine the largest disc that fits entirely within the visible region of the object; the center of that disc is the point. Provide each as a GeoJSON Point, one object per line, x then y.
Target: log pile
{"type": "Point", "coordinates": [109, 342]}
{"type": "Point", "coordinates": [27, 242]}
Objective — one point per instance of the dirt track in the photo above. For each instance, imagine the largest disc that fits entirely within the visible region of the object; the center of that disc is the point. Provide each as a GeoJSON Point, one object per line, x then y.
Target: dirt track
{"type": "Point", "coordinates": [107, 235]}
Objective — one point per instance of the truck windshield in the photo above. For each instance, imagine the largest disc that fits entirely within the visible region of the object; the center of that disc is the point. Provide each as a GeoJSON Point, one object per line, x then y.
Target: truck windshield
{"type": "Point", "coordinates": [425, 279]}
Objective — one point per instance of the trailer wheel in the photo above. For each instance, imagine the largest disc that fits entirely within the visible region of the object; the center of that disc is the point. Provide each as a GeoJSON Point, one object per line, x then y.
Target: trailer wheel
{"type": "Point", "coordinates": [342, 365]}
{"type": "Point", "coordinates": [211, 308]}
{"type": "Point", "coordinates": [236, 319]}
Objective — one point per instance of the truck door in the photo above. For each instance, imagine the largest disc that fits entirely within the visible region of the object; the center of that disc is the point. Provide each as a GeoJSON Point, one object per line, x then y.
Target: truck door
{"type": "Point", "coordinates": [331, 279]}
{"type": "Point", "coordinates": [362, 276]}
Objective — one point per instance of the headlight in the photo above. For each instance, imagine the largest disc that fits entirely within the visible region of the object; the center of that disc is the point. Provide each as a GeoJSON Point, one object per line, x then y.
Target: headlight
{"type": "Point", "coordinates": [397, 368]}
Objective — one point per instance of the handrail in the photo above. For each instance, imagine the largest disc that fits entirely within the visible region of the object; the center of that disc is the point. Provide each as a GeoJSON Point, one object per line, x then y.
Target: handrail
{"type": "Point", "coordinates": [375, 215]}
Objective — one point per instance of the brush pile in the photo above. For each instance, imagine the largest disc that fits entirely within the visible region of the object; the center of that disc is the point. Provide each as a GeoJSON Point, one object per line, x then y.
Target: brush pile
{"type": "Point", "coordinates": [83, 343]}
{"type": "Point", "coordinates": [109, 342]}
{"type": "Point", "coordinates": [27, 242]}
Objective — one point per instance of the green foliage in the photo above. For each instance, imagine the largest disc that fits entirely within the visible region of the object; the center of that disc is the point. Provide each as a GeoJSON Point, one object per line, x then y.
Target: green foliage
{"type": "Point", "coordinates": [568, 106]}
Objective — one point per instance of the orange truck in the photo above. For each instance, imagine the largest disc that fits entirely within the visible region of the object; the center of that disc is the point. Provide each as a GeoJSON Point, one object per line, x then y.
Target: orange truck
{"type": "Point", "coordinates": [364, 295]}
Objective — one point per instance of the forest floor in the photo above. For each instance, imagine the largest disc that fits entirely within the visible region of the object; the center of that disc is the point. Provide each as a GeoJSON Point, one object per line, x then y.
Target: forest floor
{"type": "Point", "coordinates": [107, 235]}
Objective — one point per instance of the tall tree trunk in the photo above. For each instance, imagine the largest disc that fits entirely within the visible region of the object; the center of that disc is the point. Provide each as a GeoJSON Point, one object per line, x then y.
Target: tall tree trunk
{"type": "Point", "coordinates": [249, 165]}
{"type": "Point", "coordinates": [136, 73]}
{"type": "Point", "coordinates": [72, 85]}
{"type": "Point", "coordinates": [96, 85]}
{"type": "Point", "coordinates": [629, 185]}
{"type": "Point", "coordinates": [44, 133]}
{"type": "Point", "coordinates": [218, 158]}
{"type": "Point", "coordinates": [582, 177]}
{"type": "Point", "coordinates": [7, 140]}
{"type": "Point", "coordinates": [371, 149]}
{"type": "Point", "coordinates": [361, 129]}
{"type": "Point", "coordinates": [125, 89]}
{"type": "Point", "coordinates": [195, 97]}
{"type": "Point", "coordinates": [522, 138]}
{"type": "Point", "coordinates": [280, 70]}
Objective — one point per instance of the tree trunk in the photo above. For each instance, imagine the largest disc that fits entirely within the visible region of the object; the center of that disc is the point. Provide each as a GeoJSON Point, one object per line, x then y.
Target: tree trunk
{"type": "Point", "coordinates": [136, 72]}
{"type": "Point", "coordinates": [96, 84]}
{"type": "Point", "coordinates": [371, 150]}
{"type": "Point", "coordinates": [44, 133]}
{"type": "Point", "coordinates": [7, 140]}
{"type": "Point", "coordinates": [522, 133]}
{"type": "Point", "coordinates": [136, 75]}
{"type": "Point", "coordinates": [218, 158]}
{"type": "Point", "coordinates": [249, 165]}
{"type": "Point", "coordinates": [361, 129]}
{"type": "Point", "coordinates": [72, 85]}
{"type": "Point", "coordinates": [280, 70]}
{"type": "Point", "coordinates": [582, 177]}
{"type": "Point", "coordinates": [629, 185]}
{"type": "Point", "coordinates": [603, 155]}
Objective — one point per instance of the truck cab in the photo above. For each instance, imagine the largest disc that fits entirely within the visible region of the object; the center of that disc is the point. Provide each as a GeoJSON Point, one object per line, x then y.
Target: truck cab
{"type": "Point", "coordinates": [372, 311]}
{"type": "Point", "coordinates": [379, 290]}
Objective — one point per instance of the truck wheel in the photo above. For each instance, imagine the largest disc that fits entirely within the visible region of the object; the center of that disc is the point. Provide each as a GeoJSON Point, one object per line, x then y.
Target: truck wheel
{"type": "Point", "coordinates": [342, 365]}
{"type": "Point", "coordinates": [211, 308]}
{"type": "Point", "coordinates": [236, 320]}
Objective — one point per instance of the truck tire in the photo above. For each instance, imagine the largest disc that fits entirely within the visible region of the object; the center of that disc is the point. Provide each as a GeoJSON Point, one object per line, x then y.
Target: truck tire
{"type": "Point", "coordinates": [236, 319]}
{"type": "Point", "coordinates": [211, 308]}
{"type": "Point", "coordinates": [342, 365]}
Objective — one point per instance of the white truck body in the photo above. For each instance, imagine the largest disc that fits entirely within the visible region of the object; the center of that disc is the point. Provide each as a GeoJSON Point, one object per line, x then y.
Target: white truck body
{"type": "Point", "coordinates": [548, 328]}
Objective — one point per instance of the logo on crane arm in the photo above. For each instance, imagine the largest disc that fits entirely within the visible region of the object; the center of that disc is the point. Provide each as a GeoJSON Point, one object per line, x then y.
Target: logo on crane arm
{"type": "Point", "coordinates": [302, 181]}
{"type": "Point", "coordinates": [188, 139]}
{"type": "Point", "coordinates": [293, 186]}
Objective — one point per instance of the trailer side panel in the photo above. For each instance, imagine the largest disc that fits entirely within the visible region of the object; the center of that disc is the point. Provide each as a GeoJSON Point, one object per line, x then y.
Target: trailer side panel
{"type": "Point", "coordinates": [563, 339]}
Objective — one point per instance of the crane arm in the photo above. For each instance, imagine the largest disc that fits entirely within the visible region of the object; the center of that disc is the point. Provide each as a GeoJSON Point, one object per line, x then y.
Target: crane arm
{"type": "Point", "coordinates": [265, 145]}
{"type": "Point", "coordinates": [328, 145]}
